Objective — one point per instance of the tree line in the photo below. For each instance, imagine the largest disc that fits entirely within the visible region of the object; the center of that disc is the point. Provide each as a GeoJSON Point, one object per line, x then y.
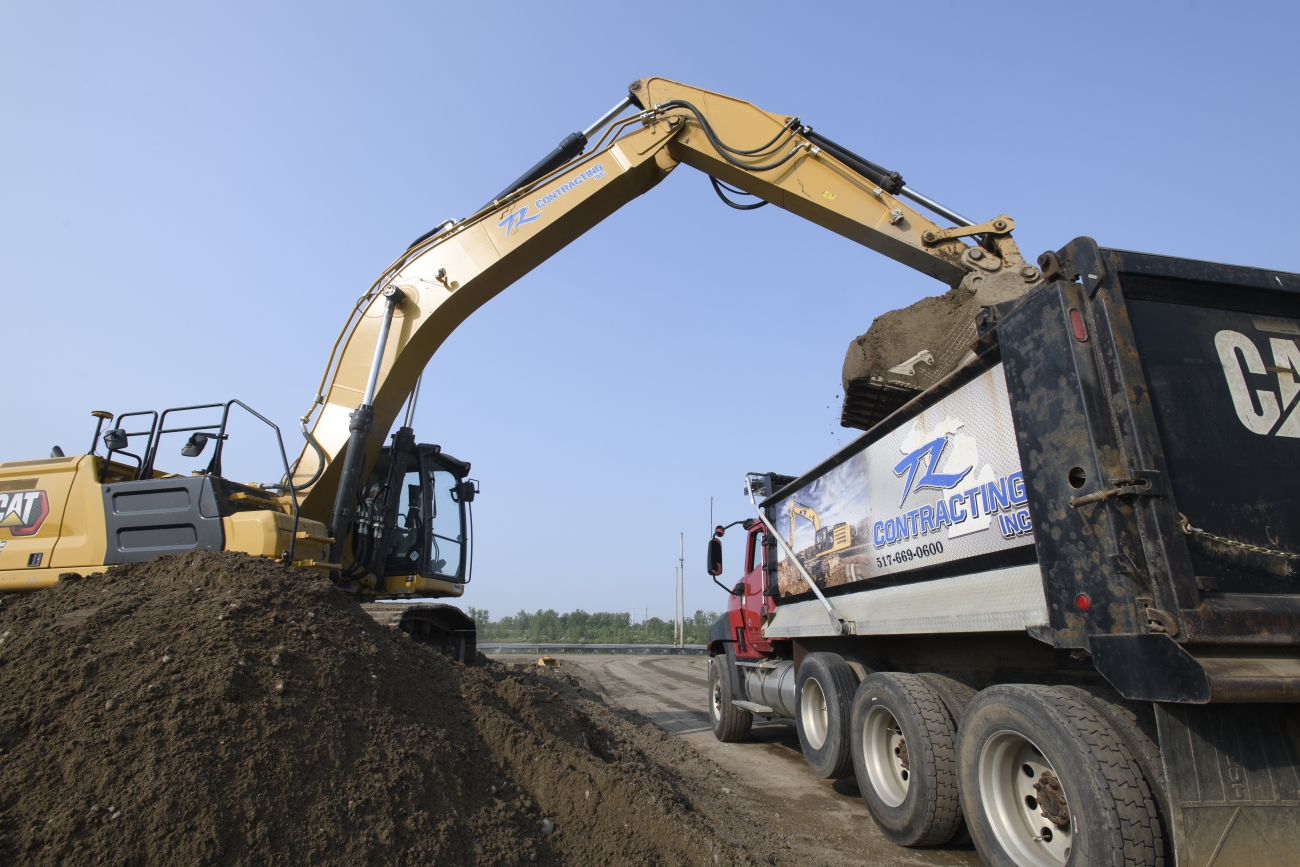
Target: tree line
{"type": "Point", "coordinates": [579, 627]}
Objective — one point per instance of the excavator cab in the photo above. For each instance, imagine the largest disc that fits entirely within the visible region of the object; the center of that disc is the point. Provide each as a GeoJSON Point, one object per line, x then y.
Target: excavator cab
{"type": "Point", "coordinates": [413, 535]}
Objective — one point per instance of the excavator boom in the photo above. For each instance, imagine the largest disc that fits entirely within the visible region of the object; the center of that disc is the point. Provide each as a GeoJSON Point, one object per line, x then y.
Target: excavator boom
{"type": "Point", "coordinates": [447, 275]}
{"type": "Point", "coordinates": [803, 512]}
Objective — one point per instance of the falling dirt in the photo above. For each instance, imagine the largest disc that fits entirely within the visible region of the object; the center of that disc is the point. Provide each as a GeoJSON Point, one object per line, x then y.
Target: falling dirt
{"type": "Point", "coordinates": [213, 708]}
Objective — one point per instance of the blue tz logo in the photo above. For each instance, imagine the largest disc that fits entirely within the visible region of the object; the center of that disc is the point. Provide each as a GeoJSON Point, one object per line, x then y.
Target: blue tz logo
{"type": "Point", "coordinates": [937, 481]}
{"type": "Point", "coordinates": [515, 220]}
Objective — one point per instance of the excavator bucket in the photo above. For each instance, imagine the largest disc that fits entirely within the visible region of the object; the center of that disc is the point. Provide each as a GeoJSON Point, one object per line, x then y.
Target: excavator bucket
{"type": "Point", "coordinates": [903, 353]}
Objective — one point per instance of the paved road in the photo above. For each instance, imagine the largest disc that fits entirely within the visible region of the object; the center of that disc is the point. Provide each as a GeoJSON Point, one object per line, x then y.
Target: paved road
{"type": "Point", "coordinates": [672, 691]}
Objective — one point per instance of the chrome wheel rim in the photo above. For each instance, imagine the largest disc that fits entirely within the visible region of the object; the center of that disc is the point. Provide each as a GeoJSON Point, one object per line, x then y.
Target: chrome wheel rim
{"type": "Point", "coordinates": [1009, 766]}
{"type": "Point", "coordinates": [812, 710]}
{"type": "Point", "coordinates": [715, 706]}
{"type": "Point", "coordinates": [884, 751]}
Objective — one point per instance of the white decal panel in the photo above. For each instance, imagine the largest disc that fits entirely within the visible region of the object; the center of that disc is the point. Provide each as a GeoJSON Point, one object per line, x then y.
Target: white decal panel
{"type": "Point", "coordinates": [944, 486]}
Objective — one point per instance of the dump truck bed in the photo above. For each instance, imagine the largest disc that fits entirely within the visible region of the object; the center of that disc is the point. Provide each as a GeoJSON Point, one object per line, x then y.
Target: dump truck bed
{"type": "Point", "coordinates": [1113, 469]}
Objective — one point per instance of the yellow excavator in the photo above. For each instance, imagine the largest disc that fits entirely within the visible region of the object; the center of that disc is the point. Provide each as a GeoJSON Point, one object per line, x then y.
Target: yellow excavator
{"type": "Point", "coordinates": [391, 520]}
{"type": "Point", "coordinates": [827, 540]}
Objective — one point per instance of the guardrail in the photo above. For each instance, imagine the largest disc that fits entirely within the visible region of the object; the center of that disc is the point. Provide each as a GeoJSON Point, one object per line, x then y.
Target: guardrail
{"type": "Point", "coordinates": [642, 649]}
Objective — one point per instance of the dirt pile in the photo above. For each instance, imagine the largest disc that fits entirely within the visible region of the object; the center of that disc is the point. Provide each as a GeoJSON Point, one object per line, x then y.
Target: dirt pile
{"type": "Point", "coordinates": [217, 709]}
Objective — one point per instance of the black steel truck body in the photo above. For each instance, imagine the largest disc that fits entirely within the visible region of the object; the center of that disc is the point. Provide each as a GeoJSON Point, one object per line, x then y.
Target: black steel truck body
{"type": "Point", "coordinates": [1104, 497]}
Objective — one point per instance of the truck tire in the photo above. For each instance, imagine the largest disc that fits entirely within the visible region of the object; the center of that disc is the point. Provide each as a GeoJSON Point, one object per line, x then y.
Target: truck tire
{"type": "Point", "coordinates": [823, 705]}
{"type": "Point", "coordinates": [1135, 721]}
{"type": "Point", "coordinates": [904, 747]}
{"type": "Point", "coordinates": [730, 723]}
{"type": "Point", "coordinates": [1045, 780]}
{"type": "Point", "coordinates": [956, 695]}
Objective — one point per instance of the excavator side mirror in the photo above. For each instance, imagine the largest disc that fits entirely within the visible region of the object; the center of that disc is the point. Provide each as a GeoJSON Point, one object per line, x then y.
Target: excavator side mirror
{"type": "Point", "coordinates": [115, 440]}
{"type": "Point", "coordinates": [715, 557]}
{"type": "Point", "coordinates": [195, 445]}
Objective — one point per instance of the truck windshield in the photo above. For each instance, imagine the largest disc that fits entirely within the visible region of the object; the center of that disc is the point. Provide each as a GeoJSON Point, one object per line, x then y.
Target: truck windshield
{"type": "Point", "coordinates": [447, 540]}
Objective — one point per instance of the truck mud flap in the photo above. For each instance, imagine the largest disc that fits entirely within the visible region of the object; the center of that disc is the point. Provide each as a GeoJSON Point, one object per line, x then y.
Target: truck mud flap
{"type": "Point", "coordinates": [737, 679]}
{"type": "Point", "coordinates": [1234, 782]}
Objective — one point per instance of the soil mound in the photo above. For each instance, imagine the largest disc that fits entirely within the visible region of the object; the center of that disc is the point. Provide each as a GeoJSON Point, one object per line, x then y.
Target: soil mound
{"type": "Point", "coordinates": [213, 708]}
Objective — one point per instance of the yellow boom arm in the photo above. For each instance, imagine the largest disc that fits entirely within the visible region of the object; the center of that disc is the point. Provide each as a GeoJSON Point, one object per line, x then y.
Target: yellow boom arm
{"type": "Point", "coordinates": [446, 277]}
{"type": "Point", "coordinates": [803, 512]}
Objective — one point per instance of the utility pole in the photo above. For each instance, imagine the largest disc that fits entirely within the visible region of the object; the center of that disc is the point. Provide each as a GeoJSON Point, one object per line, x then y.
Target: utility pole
{"type": "Point", "coordinates": [676, 605]}
{"type": "Point", "coordinates": [681, 591]}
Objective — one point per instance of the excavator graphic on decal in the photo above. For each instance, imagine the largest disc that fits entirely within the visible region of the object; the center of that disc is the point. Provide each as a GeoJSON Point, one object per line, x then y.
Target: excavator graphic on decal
{"type": "Point", "coordinates": [826, 540]}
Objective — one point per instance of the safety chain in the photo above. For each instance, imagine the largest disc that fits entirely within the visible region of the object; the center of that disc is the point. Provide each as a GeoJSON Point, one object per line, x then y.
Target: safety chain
{"type": "Point", "coordinates": [1258, 549]}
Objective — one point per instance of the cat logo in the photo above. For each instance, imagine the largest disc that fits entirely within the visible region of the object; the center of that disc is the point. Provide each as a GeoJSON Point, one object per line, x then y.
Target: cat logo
{"type": "Point", "coordinates": [23, 512]}
{"type": "Point", "coordinates": [1240, 356]}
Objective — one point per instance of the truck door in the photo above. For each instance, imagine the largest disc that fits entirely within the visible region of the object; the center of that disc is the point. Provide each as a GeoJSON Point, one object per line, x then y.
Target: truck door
{"type": "Point", "coordinates": [754, 604]}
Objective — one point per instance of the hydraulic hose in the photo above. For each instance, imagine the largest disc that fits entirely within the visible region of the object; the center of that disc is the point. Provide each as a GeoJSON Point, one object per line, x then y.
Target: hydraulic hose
{"type": "Point", "coordinates": [725, 151]}
{"type": "Point", "coordinates": [718, 187]}
{"type": "Point", "coordinates": [320, 459]}
{"type": "Point", "coordinates": [761, 150]}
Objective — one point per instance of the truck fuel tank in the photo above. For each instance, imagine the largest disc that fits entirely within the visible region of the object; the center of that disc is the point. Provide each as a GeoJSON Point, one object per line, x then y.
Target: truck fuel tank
{"type": "Point", "coordinates": [770, 683]}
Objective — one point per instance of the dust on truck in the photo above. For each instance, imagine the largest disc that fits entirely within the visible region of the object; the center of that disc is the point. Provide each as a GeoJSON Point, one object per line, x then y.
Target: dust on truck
{"type": "Point", "coordinates": [1066, 620]}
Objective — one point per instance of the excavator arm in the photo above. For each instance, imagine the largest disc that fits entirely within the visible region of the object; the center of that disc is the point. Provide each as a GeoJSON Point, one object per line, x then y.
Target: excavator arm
{"type": "Point", "coordinates": [419, 300]}
{"type": "Point", "coordinates": [803, 512]}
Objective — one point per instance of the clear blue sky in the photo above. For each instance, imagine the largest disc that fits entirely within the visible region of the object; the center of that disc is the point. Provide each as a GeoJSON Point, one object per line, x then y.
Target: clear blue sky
{"type": "Point", "coordinates": [191, 196]}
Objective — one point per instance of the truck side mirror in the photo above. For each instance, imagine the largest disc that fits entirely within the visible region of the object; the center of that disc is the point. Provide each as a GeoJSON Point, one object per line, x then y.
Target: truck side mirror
{"type": "Point", "coordinates": [715, 557]}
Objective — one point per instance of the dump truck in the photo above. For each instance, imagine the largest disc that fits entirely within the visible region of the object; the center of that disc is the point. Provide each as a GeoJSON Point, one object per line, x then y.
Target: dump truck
{"type": "Point", "coordinates": [1068, 626]}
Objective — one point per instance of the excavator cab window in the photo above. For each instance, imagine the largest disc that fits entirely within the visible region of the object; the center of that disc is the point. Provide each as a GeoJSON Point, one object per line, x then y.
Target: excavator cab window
{"type": "Point", "coordinates": [824, 540]}
{"type": "Point", "coordinates": [447, 523]}
{"type": "Point", "coordinates": [430, 533]}
{"type": "Point", "coordinates": [405, 545]}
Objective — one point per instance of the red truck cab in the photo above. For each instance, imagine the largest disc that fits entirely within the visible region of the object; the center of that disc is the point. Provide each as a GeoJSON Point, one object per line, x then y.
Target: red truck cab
{"type": "Point", "coordinates": [748, 608]}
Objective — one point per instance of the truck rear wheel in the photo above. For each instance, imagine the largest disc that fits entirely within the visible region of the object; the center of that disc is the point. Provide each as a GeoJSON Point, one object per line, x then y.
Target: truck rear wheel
{"type": "Point", "coordinates": [1135, 722]}
{"type": "Point", "coordinates": [730, 723]}
{"type": "Point", "coordinates": [1046, 781]}
{"type": "Point", "coordinates": [824, 704]}
{"type": "Point", "coordinates": [904, 748]}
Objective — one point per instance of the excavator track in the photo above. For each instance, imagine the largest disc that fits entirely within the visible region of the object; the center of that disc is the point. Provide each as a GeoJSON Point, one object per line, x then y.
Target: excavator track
{"type": "Point", "coordinates": [445, 628]}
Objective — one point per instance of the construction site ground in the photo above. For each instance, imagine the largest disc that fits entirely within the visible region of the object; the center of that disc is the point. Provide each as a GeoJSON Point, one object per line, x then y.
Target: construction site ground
{"type": "Point", "coordinates": [769, 784]}
{"type": "Point", "coordinates": [218, 709]}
